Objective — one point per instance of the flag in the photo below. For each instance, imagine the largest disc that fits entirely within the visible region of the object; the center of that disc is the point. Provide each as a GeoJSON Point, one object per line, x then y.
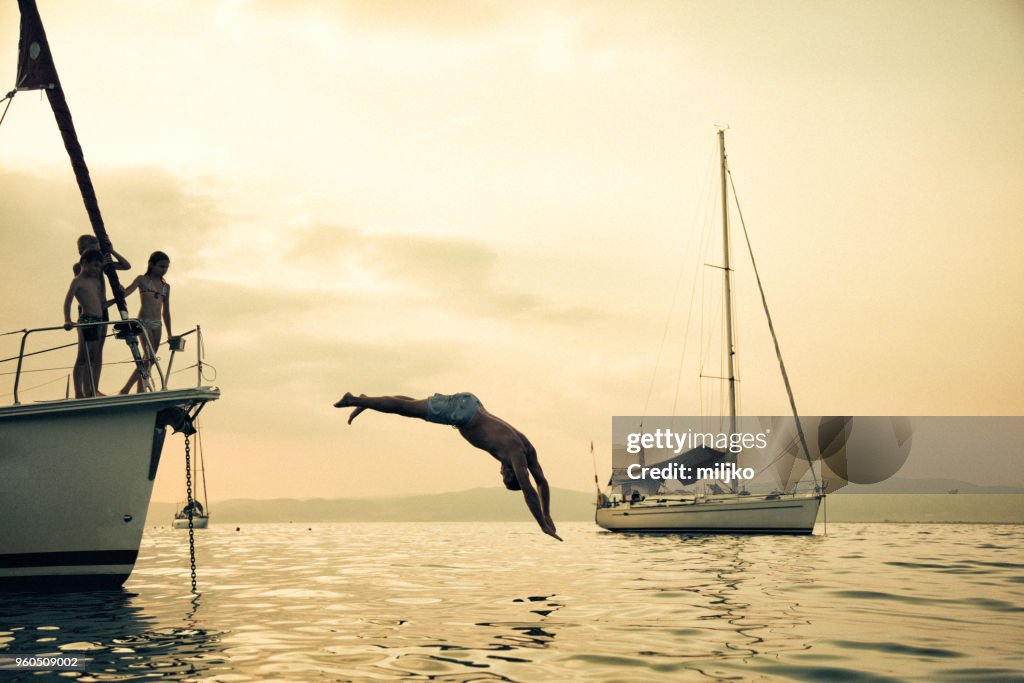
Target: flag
{"type": "Point", "coordinates": [35, 63]}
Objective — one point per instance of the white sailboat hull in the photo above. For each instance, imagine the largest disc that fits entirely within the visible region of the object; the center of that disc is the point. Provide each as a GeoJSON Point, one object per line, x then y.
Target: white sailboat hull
{"type": "Point", "coordinates": [198, 522]}
{"type": "Point", "coordinates": [787, 514]}
{"type": "Point", "coordinates": [75, 484]}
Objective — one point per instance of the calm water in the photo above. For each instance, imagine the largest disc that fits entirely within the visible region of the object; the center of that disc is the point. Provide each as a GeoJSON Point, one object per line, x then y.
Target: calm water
{"type": "Point", "coordinates": [482, 602]}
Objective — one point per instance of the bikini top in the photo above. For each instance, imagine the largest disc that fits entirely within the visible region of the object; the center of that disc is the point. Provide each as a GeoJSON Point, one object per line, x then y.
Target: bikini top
{"type": "Point", "coordinates": [150, 290]}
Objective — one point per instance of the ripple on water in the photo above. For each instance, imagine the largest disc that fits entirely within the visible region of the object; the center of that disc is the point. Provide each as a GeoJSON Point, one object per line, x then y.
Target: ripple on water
{"type": "Point", "coordinates": [896, 648]}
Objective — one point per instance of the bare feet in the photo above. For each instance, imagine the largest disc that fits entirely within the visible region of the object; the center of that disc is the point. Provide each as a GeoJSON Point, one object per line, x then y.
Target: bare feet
{"type": "Point", "coordinates": [349, 401]}
{"type": "Point", "coordinates": [346, 401]}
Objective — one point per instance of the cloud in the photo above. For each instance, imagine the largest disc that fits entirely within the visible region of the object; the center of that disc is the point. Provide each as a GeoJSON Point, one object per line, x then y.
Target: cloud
{"type": "Point", "coordinates": [453, 273]}
{"type": "Point", "coordinates": [242, 273]}
{"type": "Point", "coordinates": [445, 18]}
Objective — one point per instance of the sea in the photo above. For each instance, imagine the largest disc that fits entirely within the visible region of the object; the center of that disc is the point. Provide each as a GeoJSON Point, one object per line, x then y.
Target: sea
{"type": "Point", "coordinates": [502, 602]}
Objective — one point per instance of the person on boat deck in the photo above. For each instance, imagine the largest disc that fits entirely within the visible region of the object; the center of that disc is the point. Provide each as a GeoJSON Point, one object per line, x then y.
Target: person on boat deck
{"type": "Point", "coordinates": [155, 294]}
{"type": "Point", "coordinates": [86, 289]}
{"type": "Point", "coordinates": [480, 428]}
{"type": "Point", "coordinates": [112, 259]}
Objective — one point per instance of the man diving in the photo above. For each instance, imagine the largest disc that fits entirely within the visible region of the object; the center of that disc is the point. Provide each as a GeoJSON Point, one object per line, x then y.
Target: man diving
{"type": "Point", "coordinates": [480, 428]}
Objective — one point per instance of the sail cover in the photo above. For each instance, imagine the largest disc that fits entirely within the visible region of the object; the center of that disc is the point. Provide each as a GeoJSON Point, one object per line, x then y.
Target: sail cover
{"type": "Point", "coordinates": [35, 64]}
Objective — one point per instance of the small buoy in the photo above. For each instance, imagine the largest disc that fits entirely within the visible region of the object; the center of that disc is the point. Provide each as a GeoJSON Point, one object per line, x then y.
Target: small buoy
{"type": "Point", "coordinates": [238, 528]}
{"type": "Point", "coordinates": [309, 529]}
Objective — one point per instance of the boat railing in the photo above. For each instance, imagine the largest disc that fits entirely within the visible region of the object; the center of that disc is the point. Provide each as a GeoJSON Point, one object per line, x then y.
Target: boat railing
{"type": "Point", "coordinates": [131, 328]}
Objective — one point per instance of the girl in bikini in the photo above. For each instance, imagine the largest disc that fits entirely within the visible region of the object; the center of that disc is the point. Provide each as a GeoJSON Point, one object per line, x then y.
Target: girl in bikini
{"type": "Point", "coordinates": [156, 304]}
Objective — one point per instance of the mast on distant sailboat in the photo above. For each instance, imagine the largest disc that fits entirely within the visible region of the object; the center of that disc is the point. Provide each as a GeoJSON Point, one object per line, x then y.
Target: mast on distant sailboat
{"type": "Point", "coordinates": [730, 350]}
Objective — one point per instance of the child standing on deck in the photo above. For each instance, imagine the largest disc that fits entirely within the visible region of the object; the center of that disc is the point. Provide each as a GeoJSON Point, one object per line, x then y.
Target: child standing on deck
{"type": "Point", "coordinates": [156, 304]}
{"type": "Point", "coordinates": [114, 259]}
{"type": "Point", "coordinates": [86, 288]}
{"type": "Point", "coordinates": [92, 242]}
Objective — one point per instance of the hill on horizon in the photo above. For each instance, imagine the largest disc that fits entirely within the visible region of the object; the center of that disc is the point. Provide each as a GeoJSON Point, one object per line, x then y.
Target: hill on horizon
{"type": "Point", "coordinates": [481, 504]}
{"type": "Point", "coordinates": [487, 504]}
{"type": "Point", "coordinates": [905, 485]}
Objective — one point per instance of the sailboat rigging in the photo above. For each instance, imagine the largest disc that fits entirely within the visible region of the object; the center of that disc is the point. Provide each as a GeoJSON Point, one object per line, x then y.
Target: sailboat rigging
{"type": "Point", "coordinates": [789, 511]}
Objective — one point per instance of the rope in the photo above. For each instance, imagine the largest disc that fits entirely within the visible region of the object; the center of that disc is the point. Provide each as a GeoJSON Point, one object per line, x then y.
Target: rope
{"type": "Point", "coordinates": [37, 386]}
{"type": "Point", "coordinates": [210, 379]}
{"type": "Point", "coordinates": [193, 367]}
{"type": "Point", "coordinates": [66, 367]}
{"type": "Point", "coordinates": [36, 353]}
{"type": "Point", "coordinates": [10, 98]}
{"type": "Point", "coordinates": [775, 339]}
{"type": "Point", "coordinates": [202, 465]}
{"type": "Point", "coordinates": [701, 248]}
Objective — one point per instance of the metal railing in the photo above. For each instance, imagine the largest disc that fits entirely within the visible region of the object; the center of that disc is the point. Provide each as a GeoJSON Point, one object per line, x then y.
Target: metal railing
{"type": "Point", "coordinates": [124, 329]}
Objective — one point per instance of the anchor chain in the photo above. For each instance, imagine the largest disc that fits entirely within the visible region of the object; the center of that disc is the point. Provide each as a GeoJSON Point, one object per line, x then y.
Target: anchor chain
{"type": "Point", "coordinates": [190, 506]}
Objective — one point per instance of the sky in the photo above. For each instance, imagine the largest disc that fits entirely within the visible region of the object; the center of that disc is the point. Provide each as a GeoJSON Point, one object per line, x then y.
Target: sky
{"type": "Point", "coordinates": [520, 200]}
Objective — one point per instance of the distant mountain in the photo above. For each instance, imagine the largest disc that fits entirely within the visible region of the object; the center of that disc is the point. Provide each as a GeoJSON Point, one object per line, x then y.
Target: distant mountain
{"type": "Point", "coordinates": [479, 505]}
{"type": "Point", "coordinates": [903, 485]}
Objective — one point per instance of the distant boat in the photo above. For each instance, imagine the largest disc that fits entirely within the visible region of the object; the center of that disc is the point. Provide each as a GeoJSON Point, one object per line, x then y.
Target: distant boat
{"type": "Point", "coordinates": [76, 476]}
{"type": "Point", "coordinates": [953, 491]}
{"type": "Point", "coordinates": [200, 518]}
{"type": "Point", "coordinates": [200, 510]}
{"type": "Point", "coordinates": [715, 509]}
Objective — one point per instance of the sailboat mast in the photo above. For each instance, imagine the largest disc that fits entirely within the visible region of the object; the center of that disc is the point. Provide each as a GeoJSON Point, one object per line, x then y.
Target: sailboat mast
{"type": "Point", "coordinates": [730, 351]}
{"type": "Point", "coordinates": [36, 70]}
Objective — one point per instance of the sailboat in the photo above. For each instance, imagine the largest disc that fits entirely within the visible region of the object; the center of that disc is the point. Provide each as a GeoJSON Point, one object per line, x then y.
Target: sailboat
{"type": "Point", "coordinates": [199, 505]}
{"type": "Point", "coordinates": [76, 476]}
{"type": "Point", "coordinates": [718, 507]}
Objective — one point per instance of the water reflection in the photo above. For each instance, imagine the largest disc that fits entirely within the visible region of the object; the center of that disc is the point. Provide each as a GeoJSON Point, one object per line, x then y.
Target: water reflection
{"type": "Point", "coordinates": [729, 594]}
{"type": "Point", "coordinates": [110, 631]}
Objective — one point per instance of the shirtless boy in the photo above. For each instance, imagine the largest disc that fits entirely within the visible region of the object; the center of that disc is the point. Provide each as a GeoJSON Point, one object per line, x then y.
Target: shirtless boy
{"type": "Point", "coordinates": [114, 259]}
{"type": "Point", "coordinates": [86, 288]}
